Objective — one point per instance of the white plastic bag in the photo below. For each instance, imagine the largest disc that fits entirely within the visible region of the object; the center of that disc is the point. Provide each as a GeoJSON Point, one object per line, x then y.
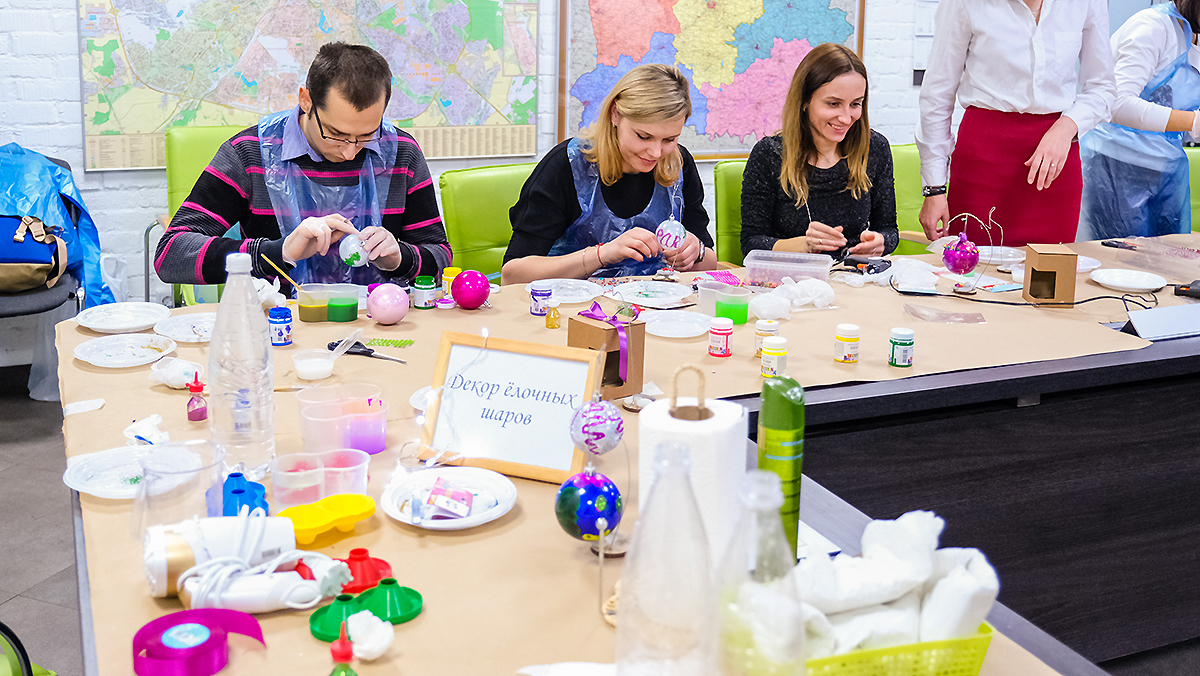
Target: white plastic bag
{"type": "Point", "coordinates": [174, 372]}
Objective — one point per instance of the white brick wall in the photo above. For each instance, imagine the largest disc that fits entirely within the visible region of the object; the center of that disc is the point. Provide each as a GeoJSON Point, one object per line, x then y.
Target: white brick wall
{"type": "Point", "coordinates": [40, 109]}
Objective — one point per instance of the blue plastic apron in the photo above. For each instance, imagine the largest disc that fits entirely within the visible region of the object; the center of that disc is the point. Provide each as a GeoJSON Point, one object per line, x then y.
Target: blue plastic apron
{"type": "Point", "coordinates": [295, 197]}
{"type": "Point", "coordinates": [1135, 182]}
{"type": "Point", "coordinates": [597, 223]}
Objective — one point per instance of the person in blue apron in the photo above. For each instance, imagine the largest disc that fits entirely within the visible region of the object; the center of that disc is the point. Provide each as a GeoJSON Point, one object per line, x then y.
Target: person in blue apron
{"type": "Point", "coordinates": [301, 180]}
{"type": "Point", "coordinates": [593, 204]}
{"type": "Point", "coordinates": [1135, 173]}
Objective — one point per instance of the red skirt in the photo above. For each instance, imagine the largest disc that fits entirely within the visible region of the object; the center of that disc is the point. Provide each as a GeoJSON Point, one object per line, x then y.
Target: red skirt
{"type": "Point", "coordinates": [987, 169]}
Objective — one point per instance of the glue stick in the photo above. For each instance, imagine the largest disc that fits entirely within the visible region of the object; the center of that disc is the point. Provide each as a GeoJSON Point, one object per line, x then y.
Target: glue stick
{"type": "Point", "coordinates": [781, 445]}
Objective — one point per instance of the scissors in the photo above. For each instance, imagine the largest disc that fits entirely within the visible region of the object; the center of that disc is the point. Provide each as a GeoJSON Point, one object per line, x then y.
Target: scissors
{"type": "Point", "coordinates": [360, 349]}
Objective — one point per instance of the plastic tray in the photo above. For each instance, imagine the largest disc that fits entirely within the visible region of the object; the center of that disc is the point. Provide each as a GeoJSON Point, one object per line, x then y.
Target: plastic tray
{"type": "Point", "coordinates": [768, 268]}
{"type": "Point", "coordinates": [954, 657]}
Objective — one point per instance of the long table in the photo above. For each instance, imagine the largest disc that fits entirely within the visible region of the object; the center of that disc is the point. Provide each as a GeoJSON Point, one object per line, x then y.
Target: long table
{"type": "Point", "coordinates": [517, 591]}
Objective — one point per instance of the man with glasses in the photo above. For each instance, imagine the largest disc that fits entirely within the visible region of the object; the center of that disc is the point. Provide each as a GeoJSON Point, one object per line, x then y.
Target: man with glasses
{"type": "Point", "coordinates": [303, 179]}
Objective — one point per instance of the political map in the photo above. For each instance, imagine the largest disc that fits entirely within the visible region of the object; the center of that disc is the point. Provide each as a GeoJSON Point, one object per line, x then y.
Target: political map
{"type": "Point", "coordinates": [739, 56]}
{"type": "Point", "coordinates": [464, 71]}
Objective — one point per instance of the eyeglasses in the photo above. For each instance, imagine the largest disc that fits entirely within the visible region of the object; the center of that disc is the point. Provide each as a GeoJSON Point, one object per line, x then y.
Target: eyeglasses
{"type": "Point", "coordinates": [344, 141]}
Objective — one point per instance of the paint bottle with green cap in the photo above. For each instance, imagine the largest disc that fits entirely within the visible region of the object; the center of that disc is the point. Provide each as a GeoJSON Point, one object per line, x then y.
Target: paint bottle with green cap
{"type": "Point", "coordinates": [781, 444]}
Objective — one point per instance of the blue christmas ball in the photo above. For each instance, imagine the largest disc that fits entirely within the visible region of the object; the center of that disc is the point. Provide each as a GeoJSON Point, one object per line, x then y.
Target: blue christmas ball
{"type": "Point", "coordinates": [585, 498]}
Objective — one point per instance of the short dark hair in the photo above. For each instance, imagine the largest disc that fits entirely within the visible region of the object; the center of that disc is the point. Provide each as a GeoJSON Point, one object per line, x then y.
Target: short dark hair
{"type": "Point", "coordinates": [360, 74]}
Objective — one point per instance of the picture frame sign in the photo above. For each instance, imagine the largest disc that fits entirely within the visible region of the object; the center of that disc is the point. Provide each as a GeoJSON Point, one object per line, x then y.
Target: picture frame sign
{"type": "Point", "coordinates": [506, 405]}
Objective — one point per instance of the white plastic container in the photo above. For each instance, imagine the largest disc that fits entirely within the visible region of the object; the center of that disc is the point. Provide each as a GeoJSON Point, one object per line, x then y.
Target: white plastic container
{"type": "Point", "coordinates": [768, 268]}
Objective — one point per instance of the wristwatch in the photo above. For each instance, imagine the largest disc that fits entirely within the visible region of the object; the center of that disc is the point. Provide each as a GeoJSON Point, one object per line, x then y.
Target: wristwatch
{"type": "Point", "coordinates": [931, 190]}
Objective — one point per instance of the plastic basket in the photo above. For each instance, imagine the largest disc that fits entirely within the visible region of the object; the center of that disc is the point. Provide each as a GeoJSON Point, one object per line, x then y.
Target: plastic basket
{"type": "Point", "coordinates": [955, 657]}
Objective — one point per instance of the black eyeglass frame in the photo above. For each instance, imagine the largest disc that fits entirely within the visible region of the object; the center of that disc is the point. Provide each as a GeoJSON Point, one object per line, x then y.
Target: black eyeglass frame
{"type": "Point", "coordinates": [342, 141]}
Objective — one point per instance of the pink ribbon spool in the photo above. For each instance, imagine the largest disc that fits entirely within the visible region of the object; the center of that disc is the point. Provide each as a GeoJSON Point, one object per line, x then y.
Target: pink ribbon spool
{"type": "Point", "coordinates": [597, 312]}
{"type": "Point", "coordinates": [190, 642]}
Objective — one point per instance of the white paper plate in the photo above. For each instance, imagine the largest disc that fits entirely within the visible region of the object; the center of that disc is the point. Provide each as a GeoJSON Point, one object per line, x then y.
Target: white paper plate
{"type": "Point", "coordinates": [495, 495]}
{"type": "Point", "coordinates": [676, 323]}
{"type": "Point", "coordinates": [568, 291]}
{"type": "Point", "coordinates": [420, 399]}
{"type": "Point", "coordinates": [190, 328]}
{"type": "Point", "coordinates": [1128, 281]}
{"type": "Point", "coordinates": [649, 290]}
{"type": "Point", "coordinates": [115, 474]}
{"type": "Point", "coordinates": [117, 352]}
{"type": "Point", "coordinates": [128, 317]}
{"type": "Point", "coordinates": [1000, 255]}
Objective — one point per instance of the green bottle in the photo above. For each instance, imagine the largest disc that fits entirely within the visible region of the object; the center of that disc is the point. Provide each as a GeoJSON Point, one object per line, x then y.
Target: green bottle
{"type": "Point", "coordinates": [781, 445]}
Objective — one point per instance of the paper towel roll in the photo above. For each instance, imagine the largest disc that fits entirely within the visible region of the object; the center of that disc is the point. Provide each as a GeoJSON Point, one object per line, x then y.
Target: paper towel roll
{"type": "Point", "coordinates": [717, 447]}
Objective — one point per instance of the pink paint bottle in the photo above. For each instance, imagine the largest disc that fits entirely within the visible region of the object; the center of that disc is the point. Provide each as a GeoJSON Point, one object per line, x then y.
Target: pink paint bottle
{"type": "Point", "coordinates": [197, 407]}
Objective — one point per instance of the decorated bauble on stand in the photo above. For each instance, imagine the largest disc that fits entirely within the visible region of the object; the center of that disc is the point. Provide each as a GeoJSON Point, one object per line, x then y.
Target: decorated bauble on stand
{"type": "Point", "coordinates": [588, 505]}
{"type": "Point", "coordinates": [961, 257]}
{"type": "Point", "coordinates": [597, 427]}
{"type": "Point", "coordinates": [670, 233]}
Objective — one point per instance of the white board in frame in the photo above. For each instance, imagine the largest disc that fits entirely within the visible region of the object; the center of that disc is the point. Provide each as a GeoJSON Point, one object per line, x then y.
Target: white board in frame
{"type": "Point", "coordinates": [506, 405]}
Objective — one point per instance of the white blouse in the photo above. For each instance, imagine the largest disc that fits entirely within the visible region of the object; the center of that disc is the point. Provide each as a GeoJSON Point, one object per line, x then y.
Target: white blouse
{"type": "Point", "coordinates": [1142, 47]}
{"type": "Point", "coordinates": [992, 54]}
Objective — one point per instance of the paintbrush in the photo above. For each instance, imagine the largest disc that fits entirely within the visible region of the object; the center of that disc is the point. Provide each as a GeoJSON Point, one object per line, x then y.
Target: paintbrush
{"type": "Point", "coordinates": [285, 275]}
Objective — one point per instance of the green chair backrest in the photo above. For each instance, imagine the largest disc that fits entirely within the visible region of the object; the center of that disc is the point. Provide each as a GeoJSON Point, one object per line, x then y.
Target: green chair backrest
{"type": "Point", "coordinates": [727, 199]}
{"type": "Point", "coordinates": [475, 204]}
{"type": "Point", "coordinates": [906, 168]}
{"type": "Point", "coordinates": [189, 151]}
{"type": "Point", "coordinates": [1193, 155]}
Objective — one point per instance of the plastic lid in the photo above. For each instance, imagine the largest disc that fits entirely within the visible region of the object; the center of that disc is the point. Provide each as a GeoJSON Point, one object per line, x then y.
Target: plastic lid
{"type": "Point", "coordinates": [552, 303]}
{"type": "Point", "coordinates": [848, 330]}
{"type": "Point", "coordinates": [279, 313]}
{"type": "Point", "coordinates": [721, 323]}
{"type": "Point", "coordinates": [766, 325]}
{"type": "Point", "coordinates": [238, 262]}
{"type": "Point", "coordinates": [541, 285]}
{"type": "Point", "coordinates": [196, 387]}
{"type": "Point", "coordinates": [774, 342]}
{"type": "Point", "coordinates": [423, 280]}
{"type": "Point", "coordinates": [450, 272]}
{"type": "Point", "coordinates": [901, 333]}
{"type": "Point", "coordinates": [444, 303]}
{"type": "Point", "coordinates": [342, 650]}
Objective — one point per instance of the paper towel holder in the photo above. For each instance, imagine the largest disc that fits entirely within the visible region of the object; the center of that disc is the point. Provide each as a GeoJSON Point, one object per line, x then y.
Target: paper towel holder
{"type": "Point", "coordinates": [697, 412]}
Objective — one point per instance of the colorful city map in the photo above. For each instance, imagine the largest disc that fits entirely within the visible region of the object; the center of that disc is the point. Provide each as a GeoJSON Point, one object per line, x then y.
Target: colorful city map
{"type": "Point", "coordinates": [463, 68]}
{"type": "Point", "coordinates": [739, 56]}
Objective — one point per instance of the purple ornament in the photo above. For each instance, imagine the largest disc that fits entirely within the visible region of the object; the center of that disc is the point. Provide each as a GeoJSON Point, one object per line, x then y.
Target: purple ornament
{"type": "Point", "coordinates": [470, 289]}
{"type": "Point", "coordinates": [962, 256]}
{"type": "Point", "coordinates": [387, 303]}
{"type": "Point", "coordinates": [583, 500]}
{"type": "Point", "coordinates": [670, 233]}
{"type": "Point", "coordinates": [597, 427]}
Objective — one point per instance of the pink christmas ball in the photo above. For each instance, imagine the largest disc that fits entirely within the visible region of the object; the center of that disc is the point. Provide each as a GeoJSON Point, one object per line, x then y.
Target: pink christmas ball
{"type": "Point", "coordinates": [470, 289]}
{"type": "Point", "coordinates": [387, 304]}
{"type": "Point", "coordinates": [961, 256]}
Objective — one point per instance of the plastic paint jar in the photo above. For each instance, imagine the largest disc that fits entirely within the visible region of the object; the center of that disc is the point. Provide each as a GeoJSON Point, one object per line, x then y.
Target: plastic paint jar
{"type": "Point", "coordinates": [448, 275]}
{"type": "Point", "coordinates": [774, 356]}
{"type": "Point", "coordinates": [764, 328]}
{"type": "Point", "coordinates": [539, 294]}
{"type": "Point", "coordinates": [424, 292]}
{"type": "Point", "coordinates": [845, 344]}
{"type": "Point", "coordinates": [900, 348]}
{"type": "Point", "coordinates": [280, 320]}
{"type": "Point", "coordinates": [719, 333]}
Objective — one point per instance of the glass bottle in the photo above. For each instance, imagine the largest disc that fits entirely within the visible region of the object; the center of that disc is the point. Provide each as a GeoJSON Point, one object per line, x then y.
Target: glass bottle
{"type": "Point", "coordinates": [762, 625]}
{"type": "Point", "coordinates": [665, 619]}
{"type": "Point", "coordinates": [553, 317]}
{"type": "Point", "coordinates": [242, 375]}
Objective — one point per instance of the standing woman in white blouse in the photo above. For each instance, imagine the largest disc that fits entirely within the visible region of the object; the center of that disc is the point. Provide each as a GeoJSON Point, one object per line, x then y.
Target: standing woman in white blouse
{"type": "Point", "coordinates": [1011, 64]}
{"type": "Point", "coordinates": [1135, 179]}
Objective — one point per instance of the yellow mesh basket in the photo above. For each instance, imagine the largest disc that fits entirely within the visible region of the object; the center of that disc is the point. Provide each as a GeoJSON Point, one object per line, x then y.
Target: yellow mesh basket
{"type": "Point", "coordinates": [955, 657]}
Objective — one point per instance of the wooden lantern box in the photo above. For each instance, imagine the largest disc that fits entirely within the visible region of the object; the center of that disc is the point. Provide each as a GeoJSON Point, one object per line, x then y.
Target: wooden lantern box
{"type": "Point", "coordinates": [594, 334]}
{"type": "Point", "coordinates": [1050, 274]}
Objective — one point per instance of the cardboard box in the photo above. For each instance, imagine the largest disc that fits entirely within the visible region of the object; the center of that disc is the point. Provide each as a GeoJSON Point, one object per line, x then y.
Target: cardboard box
{"type": "Point", "coordinates": [594, 334]}
{"type": "Point", "coordinates": [1050, 271]}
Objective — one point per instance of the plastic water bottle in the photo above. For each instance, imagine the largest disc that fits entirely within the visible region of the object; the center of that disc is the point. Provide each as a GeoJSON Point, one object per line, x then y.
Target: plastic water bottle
{"type": "Point", "coordinates": [666, 624]}
{"type": "Point", "coordinates": [762, 624]}
{"type": "Point", "coordinates": [241, 399]}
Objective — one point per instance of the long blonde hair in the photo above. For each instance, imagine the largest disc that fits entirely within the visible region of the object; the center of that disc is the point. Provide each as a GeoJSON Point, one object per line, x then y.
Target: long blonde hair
{"type": "Point", "coordinates": [649, 93]}
{"type": "Point", "coordinates": [820, 66]}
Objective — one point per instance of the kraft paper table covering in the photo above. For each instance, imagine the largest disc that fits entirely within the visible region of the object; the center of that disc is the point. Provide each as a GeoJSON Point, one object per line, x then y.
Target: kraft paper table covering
{"type": "Point", "coordinates": [517, 591]}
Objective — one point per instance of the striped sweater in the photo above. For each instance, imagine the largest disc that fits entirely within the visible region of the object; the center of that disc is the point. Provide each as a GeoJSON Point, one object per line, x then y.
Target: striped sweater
{"type": "Point", "coordinates": [232, 190]}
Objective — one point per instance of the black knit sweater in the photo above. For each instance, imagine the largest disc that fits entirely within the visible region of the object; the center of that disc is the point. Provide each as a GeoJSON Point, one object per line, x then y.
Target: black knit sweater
{"type": "Point", "coordinates": [769, 214]}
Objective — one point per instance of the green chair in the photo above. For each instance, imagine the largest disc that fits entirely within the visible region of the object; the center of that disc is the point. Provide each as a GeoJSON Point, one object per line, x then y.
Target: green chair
{"type": "Point", "coordinates": [14, 660]}
{"type": "Point", "coordinates": [727, 198]}
{"type": "Point", "coordinates": [1193, 155]}
{"type": "Point", "coordinates": [906, 167]}
{"type": "Point", "coordinates": [189, 151]}
{"type": "Point", "coordinates": [475, 204]}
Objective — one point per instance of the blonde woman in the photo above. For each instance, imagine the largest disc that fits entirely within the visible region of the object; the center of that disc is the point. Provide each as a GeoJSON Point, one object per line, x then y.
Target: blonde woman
{"type": "Point", "coordinates": [593, 203]}
{"type": "Point", "coordinates": [823, 184]}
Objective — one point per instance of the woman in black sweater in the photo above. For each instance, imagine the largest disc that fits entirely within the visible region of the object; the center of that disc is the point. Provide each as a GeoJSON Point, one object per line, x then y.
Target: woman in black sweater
{"type": "Point", "coordinates": [824, 183]}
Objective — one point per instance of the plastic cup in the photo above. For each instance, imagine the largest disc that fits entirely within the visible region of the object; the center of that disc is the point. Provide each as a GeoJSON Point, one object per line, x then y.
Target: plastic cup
{"type": "Point", "coordinates": [734, 303]}
{"type": "Point", "coordinates": [313, 364]}
{"type": "Point", "coordinates": [299, 479]}
{"type": "Point", "coordinates": [180, 480]}
{"type": "Point", "coordinates": [330, 394]}
{"type": "Point", "coordinates": [322, 427]}
{"type": "Point", "coordinates": [707, 296]}
{"type": "Point", "coordinates": [345, 471]}
{"type": "Point", "coordinates": [366, 425]}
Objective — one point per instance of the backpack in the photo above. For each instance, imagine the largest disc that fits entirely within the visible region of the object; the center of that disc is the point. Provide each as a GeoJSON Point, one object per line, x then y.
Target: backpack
{"type": "Point", "coordinates": [31, 257]}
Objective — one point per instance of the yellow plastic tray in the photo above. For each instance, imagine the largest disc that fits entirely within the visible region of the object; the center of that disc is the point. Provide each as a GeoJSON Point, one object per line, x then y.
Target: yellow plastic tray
{"type": "Point", "coordinates": [955, 657]}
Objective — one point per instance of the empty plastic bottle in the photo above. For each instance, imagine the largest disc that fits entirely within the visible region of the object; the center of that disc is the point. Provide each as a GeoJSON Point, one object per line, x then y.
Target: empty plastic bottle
{"type": "Point", "coordinates": [241, 399]}
{"type": "Point", "coordinates": [762, 624]}
{"type": "Point", "coordinates": [666, 624]}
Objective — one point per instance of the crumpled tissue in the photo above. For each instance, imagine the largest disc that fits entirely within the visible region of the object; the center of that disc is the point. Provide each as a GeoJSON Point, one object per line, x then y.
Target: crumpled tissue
{"type": "Point", "coordinates": [959, 593]}
{"type": "Point", "coordinates": [909, 274]}
{"type": "Point", "coordinates": [879, 626]}
{"type": "Point", "coordinates": [776, 621]}
{"type": "Point", "coordinates": [174, 372]}
{"type": "Point", "coordinates": [369, 635]}
{"type": "Point", "coordinates": [791, 295]}
{"type": "Point", "coordinates": [268, 293]}
{"type": "Point", "coordinates": [145, 431]}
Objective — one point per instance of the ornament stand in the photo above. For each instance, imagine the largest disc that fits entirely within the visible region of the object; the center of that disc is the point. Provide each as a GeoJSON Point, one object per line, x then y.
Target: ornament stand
{"type": "Point", "coordinates": [615, 544]}
{"type": "Point", "coordinates": [969, 290]}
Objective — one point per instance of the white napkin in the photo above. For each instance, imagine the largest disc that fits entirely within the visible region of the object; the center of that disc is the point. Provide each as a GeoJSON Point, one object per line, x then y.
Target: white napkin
{"type": "Point", "coordinates": [145, 431]}
{"type": "Point", "coordinates": [959, 599]}
{"type": "Point", "coordinates": [775, 619]}
{"type": "Point", "coordinates": [849, 582]}
{"type": "Point", "coordinates": [369, 635]}
{"type": "Point", "coordinates": [878, 626]}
